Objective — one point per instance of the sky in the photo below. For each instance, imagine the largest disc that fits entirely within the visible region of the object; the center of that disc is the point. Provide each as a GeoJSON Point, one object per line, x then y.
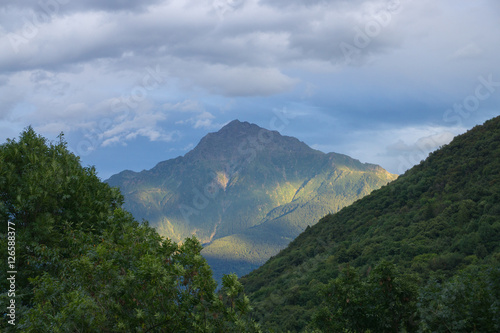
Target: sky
{"type": "Point", "coordinates": [132, 83]}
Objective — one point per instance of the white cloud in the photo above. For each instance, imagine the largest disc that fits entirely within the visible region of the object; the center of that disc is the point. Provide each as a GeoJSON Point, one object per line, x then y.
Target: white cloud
{"type": "Point", "coordinates": [200, 117]}
{"type": "Point", "coordinates": [142, 122]}
{"type": "Point", "coordinates": [68, 70]}
{"type": "Point", "coordinates": [184, 106]}
{"type": "Point", "coordinates": [422, 145]}
{"type": "Point", "coordinates": [471, 50]}
{"type": "Point", "coordinates": [395, 149]}
{"type": "Point", "coordinates": [414, 144]}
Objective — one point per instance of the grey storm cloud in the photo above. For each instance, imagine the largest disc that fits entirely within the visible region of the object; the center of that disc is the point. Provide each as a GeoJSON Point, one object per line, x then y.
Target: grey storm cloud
{"type": "Point", "coordinates": [305, 3]}
{"type": "Point", "coordinates": [65, 6]}
{"type": "Point", "coordinates": [251, 35]}
{"type": "Point", "coordinates": [61, 53]}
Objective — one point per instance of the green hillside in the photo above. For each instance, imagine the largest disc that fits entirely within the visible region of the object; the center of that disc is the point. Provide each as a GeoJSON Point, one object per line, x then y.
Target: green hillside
{"type": "Point", "coordinates": [433, 222]}
{"type": "Point", "coordinates": [245, 192]}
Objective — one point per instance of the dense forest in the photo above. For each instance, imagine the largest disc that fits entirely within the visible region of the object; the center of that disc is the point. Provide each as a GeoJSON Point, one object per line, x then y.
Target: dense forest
{"type": "Point", "coordinates": [421, 254]}
{"type": "Point", "coordinates": [85, 265]}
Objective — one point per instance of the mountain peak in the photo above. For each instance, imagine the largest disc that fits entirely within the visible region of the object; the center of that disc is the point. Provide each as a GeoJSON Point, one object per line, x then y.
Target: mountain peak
{"type": "Point", "coordinates": [235, 123]}
{"type": "Point", "coordinates": [241, 177]}
{"type": "Point", "coordinates": [239, 127]}
{"type": "Point", "coordinates": [237, 138]}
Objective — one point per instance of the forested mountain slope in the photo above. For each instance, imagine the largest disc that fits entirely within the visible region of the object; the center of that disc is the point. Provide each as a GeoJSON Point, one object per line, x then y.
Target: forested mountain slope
{"type": "Point", "coordinates": [245, 192]}
{"type": "Point", "coordinates": [440, 217]}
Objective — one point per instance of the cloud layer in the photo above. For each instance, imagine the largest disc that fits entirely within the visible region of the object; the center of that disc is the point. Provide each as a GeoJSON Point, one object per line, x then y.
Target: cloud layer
{"type": "Point", "coordinates": [111, 72]}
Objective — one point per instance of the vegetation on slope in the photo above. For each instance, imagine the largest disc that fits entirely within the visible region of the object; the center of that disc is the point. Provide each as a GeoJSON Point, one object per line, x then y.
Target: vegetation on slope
{"type": "Point", "coordinates": [435, 221]}
{"type": "Point", "coordinates": [245, 192]}
{"type": "Point", "coordinates": [421, 254]}
{"type": "Point", "coordinates": [85, 265]}
{"type": "Point", "coordinates": [326, 192]}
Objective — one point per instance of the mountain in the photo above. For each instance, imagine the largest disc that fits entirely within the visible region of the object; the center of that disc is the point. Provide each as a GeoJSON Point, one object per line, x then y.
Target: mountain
{"type": "Point", "coordinates": [437, 219]}
{"type": "Point", "coordinates": [245, 192]}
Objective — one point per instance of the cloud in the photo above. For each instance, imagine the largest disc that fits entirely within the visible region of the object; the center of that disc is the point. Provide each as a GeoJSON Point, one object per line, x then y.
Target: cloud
{"type": "Point", "coordinates": [204, 120]}
{"type": "Point", "coordinates": [200, 119]}
{"type": "Point", "coordinates": [83, 107]}
{"type": "Point", "coordinates": [64, 6]}
{"type": "Point", "coordinates": [4, 79]}
{"type": "Point", "coordinates": [184, 106]}
{"type": "Point", "coordinates": [242, 81]}
{"type": "Point", "coordinates": [395, 148]}
{"type": "Point", "coordinates": [423, 145]}
{"type": "Point", "coordinates": [405, 155]}
{"type": "Point", "coordinates": [305, 3]}
{"type": "Point", "coordinates": [471, 50]}
{"type": "Point", "coordinates": [253, 37]}
{"type": "Point", "coordinates": [145, 122]}
{"type": "Point", "coordinates": [355, 64]}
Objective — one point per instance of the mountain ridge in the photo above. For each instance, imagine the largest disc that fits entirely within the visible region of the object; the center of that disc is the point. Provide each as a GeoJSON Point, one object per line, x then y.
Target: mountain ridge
{"type": "Point", "coordinates": [234, 178]}
{"type": "Point", "coordinates": [230, 129]}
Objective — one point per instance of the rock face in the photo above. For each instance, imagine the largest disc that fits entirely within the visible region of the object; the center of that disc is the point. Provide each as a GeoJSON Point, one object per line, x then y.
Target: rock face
{"type": "Point", "coordinates": [245, 192]}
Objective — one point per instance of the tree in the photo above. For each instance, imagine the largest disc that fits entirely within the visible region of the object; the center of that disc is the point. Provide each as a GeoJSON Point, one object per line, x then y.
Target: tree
{"type": "Point", "coordinates": [384, 302]}
{"type": "Point", "coordinates": [85, 265]}
{"type": "Point", "coordinates": [468, 302]}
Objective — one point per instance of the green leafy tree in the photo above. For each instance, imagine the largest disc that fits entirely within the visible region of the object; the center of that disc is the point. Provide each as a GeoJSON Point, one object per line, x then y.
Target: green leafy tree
{"type": "Point", "coordinates": [343, 304]}
{"type": "Point", "coordinates": [384, 302]}
{"type": "Point", "coordinates": [85, 265]}
{"type": "Point", "coordinates": [468, 302]}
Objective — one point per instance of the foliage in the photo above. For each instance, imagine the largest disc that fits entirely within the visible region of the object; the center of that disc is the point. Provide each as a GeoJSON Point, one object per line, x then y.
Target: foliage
{"type": "Point", "coordinates": [385, 302]}
{"type": "Point", "coordinates": [388, 301]}
{"type": "Point", "coordinates": [468, 302]}
{"type": "Point", "coordinates": [85, 265]}
{"type": "Point", "coordinates": [437, 219]}
{"type": "Point", "coordinates": [246, 193]}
